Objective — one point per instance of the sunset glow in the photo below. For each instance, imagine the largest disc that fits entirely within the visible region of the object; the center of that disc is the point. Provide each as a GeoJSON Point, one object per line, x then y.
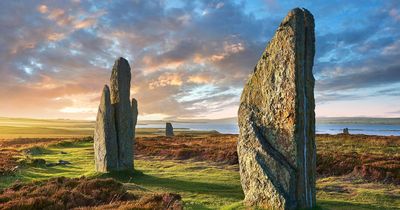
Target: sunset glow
{"type": "Point", "coordinates": [189, 59]}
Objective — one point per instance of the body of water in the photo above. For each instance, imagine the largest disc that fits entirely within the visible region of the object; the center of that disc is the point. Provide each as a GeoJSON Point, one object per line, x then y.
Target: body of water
{"type": "Point", "coordinates": [368, 129]}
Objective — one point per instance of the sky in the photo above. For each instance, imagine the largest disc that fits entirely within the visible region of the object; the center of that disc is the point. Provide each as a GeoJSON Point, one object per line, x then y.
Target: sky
{"type": "Point", "coordinates": [189, 59]}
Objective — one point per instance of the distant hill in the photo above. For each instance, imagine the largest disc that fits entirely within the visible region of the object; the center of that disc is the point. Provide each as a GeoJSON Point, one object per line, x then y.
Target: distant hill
{"type": "Point", "coordinates": [320, 120]}
{"type": "Point", "coordinates": [217, 121]}
{"type": "Point", "coordinates": [358, 120]}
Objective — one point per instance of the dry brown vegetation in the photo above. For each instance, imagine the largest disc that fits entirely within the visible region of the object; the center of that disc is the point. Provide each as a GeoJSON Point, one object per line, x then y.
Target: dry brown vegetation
{"type": "Point", "coordinates": [8, 161]}
{"type": "Point", "coordinates": [82, 193]}
{"type": "Point", "coordinates": [216, 148]}
{"type": "Point", "coordinates": [374, 158]}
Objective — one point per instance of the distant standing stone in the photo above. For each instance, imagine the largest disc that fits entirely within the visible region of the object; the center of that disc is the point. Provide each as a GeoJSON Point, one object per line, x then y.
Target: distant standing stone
{"type": "Point", "coordinates": [169, 130]}
{"type": "Point", "coordinates": [276, 147]}
{"type": "Point", "coordinates": [135, 113]}
{"type": "Point", "coordinates": [346, 131]}
{"type": "Point", "coordinates": [120, 92]}
{"type": "Point", "coordinates": [105, 136]}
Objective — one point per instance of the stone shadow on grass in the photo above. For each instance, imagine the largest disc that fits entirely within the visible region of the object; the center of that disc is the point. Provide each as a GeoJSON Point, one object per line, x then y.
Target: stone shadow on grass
{"type": "Point", "coordinates": [176, 185]}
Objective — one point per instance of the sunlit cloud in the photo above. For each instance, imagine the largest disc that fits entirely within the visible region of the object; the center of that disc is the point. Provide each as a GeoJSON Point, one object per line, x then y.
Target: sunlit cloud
{"type": "Point", "coordinates": [43, 9]}
{"type": "Point", "coordinates": [166, 79]}
{"type": "Point", "coordinates": [190, 59]}
{"type": "Point", "coordinates": [200, 79]}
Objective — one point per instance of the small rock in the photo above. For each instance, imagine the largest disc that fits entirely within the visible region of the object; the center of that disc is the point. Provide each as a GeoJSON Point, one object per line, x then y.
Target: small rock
{"type": "Point", "coordinates": [15, 168]}
{"type": "Point", "coordinates": [63, 162]}
{"type": "Point", "coordinates": [38, 162]}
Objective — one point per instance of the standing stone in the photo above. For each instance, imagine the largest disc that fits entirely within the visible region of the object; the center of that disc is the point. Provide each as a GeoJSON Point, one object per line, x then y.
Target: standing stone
{"type": "Point", "coordinates": [120, 98]}
{"type": "Point", "coordinates": [276, 148]}
{"type": "Point", "coordinates": [346, 131]}
{"type": "Point", "coordinates": [135, 113]}
{"type": "Point", "coordinates": [105, 136]}
{"type": "Point", "coordinates": [169, 130]}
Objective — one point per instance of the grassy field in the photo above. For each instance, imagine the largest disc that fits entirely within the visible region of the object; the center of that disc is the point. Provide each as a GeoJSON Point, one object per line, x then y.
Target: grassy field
{"type": "Point", "coordinates": [200, 166]}
{"type": "Point", "coordinates": [203, 185]}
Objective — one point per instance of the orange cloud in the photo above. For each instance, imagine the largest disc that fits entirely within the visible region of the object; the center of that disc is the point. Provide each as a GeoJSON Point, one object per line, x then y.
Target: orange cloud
{"type": "Point", "coordinates": [60, 17]}
{"type": "Point", "coordinates": [43, 9]}
{"type": "Point", "coordinates": [21, 45]}
{"type": "Point", "coordinates": [165, 80]}
{"type": "Point", "coordinates": [84, 23]}
{"type": "Point", "coordinates": [200, 79]}
{"type": "Point", "coordinates": [55, 36]}
{"type": "Point", "coordinates": [229, 49]}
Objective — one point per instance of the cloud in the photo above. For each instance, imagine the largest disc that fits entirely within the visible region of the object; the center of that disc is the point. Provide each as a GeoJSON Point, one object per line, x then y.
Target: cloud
{"type": "Point", "coordinates": [166, 79]}
{"type": "Point", "coordinates": [362, 79]}
{"type": "Point", "coordinates": [188, 60]}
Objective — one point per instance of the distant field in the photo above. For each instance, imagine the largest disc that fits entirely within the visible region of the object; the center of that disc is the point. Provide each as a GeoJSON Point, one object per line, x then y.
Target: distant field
{"type": "Point", "coordinates": [11, 128]}
{"type": "Point", "coordinates": [36, 128]}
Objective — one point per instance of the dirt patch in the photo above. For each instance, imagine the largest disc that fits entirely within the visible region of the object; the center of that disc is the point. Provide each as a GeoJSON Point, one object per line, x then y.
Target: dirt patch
{"type": "Point", "coordinates": [83, 193]}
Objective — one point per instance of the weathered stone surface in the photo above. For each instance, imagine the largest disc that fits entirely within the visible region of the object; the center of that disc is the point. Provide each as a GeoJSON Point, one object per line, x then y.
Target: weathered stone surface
{"type": "Point", "coordinates": [120, 82]}
{"type": "Point", "coordinates": [105, 136]}
{"type": "Point", "coordinates": [169, 130]}
{"type": "Point", "coordinates": [276, 145]}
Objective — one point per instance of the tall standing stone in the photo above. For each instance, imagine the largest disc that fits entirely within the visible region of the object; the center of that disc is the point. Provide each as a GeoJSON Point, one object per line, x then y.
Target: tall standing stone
{"type": "Point", "coordinates": [105, 136]}
{"type": "Point", "coordinates": [120, 92]}
{"type": "Point", "coordinates": [276, 148]}
{"type": "Point", "coordinates": [169, 130]}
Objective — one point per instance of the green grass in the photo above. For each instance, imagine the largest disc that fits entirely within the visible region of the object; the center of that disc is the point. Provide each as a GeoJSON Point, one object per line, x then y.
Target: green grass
{"type": "Point", "coordinates": [202, 185]}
